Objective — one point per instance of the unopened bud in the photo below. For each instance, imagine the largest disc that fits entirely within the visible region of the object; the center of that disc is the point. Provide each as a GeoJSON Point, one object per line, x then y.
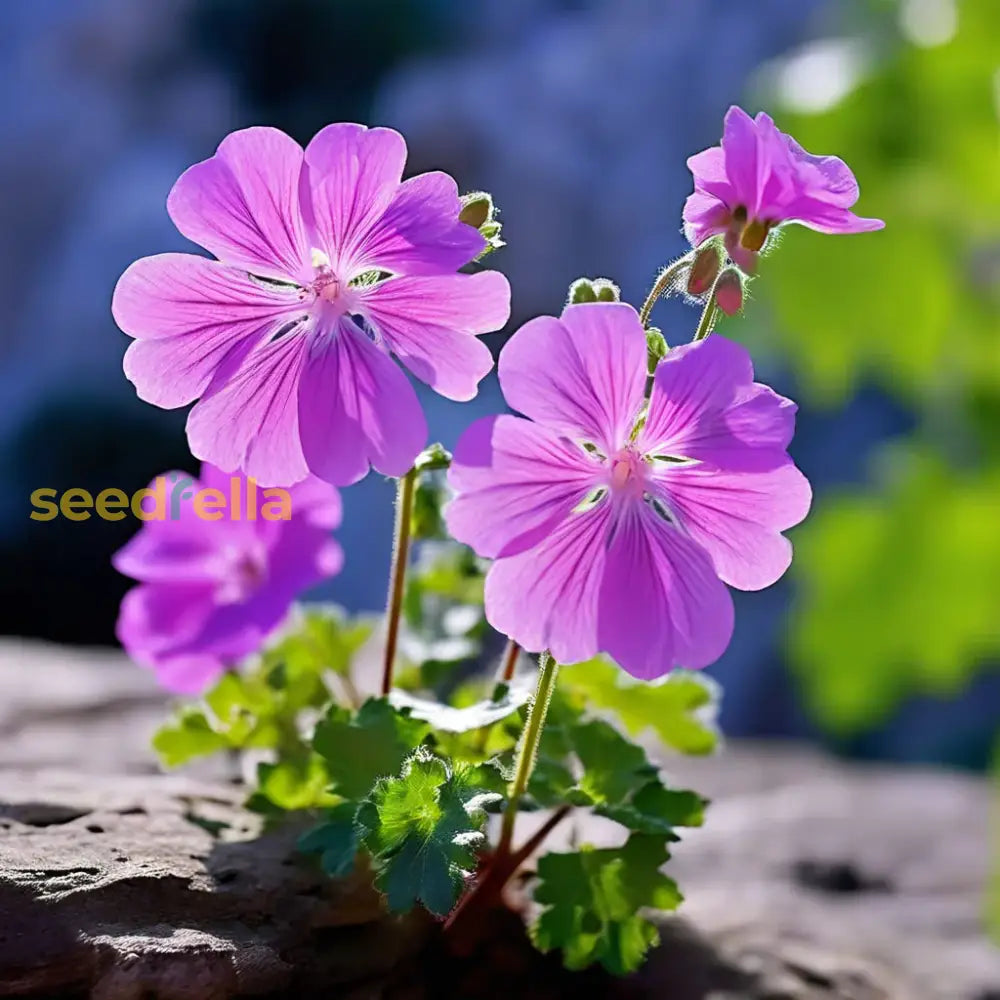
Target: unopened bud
{"type": "Point", "coordinates": [593, 290]}
{"type": "Point", "coordinates": [656, 348]}
{"type": "Point", "coordinates": [434, 456]}
{"type": "Point", "coordinates": [705, 268]}
{"type": "Point", "coordinates": [729, 291]}
{"type": "Point", "coordinates": [479, 211]}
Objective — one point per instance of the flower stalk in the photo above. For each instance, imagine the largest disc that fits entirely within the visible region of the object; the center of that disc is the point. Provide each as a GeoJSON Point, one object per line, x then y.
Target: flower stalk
{"type": "Point", "coordinates": [528, 750]}
{"type": "Point", "coordinates": [708, 316]}
{"type": "Point", "coordinates": [667, 277]}
{"type": "Point", "coordinates": [397, 577]}
{"type": "Point", "coordinates": [510, 655]}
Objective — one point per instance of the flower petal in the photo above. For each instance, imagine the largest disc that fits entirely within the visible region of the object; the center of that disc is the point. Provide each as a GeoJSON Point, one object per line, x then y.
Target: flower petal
{"type": "Point", "coordinates": [738, 517]}
{"type": "Point", "coordinates": [704, 216]}
{"type": "Point", "coordinates": [357, 408]}
{"type": "Point", "coordinates": [190, 316]}
{"type": "Point", "coordinates": [709, 170]}
{"type": "Point", "coordinates": [182, 549]}
{"type": "Point", "coordinates": [243, 204]}
{"type": "Point", "coordinates": [249, 420]}
{"type": "Point", "coordinates": [188, 674]}
{"type": "Point", "coordinates": [661, 604]}
{"type": "Point", "coordinates": [706, 406]}
{"type": "Point", "coordinates": [430, 325]}
{"type": "Point", "coordinates": [825, 178]}
{"type": "Point", "coordinates": [546, 597]}
{"type": "Point", "coordinates": [420, 232]}
{"type": "Point", "coordinates": [829, 219]}
{"type": "Point", "coordinates": [154, 618]}
{"type": "Point", "coordinates": [352, 173]}
{"type": "Point", "coordinates": [747, 159]}
{"type": "Point", "coordinates": [515, 482]}
{"type": "Point", "coordinates": [582, 375]}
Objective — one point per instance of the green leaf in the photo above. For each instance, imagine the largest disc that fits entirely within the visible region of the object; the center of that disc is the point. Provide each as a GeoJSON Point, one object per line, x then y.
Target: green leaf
{"type": "Point", "coordinates": [505, 700]}
{"type": "Point", "coordinates": [322, 638]}
{"type": "Point", "coordinates": [360, 749]}
{"type": "Point", "coordinates": [290, 784]}
{"type": "Point", "coordinates": [681, 709]}
{"type": "Point", "coordinates": [422, 829]}
{"type": "Point", "coordinates": [335, 840]}
{"type": "Point", "coordinates": [187, 736]}
{"type": "Point", "coordinates": [591, 899]}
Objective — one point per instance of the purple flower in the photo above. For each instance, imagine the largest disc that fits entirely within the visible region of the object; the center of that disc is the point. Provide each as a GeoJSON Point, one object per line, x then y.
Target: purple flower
{"type": "Point", "coordinates": [211, 591]}
{"type": "Point", "coordinates": [327, 265]}
{"type": "Point", "coordinates": [760, 178]}
{"type": "Point", "coordinates": [613, 528]}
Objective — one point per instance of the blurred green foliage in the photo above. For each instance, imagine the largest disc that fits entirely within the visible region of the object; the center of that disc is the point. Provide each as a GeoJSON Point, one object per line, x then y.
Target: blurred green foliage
{"type": "Point", "coordinates": [898, 584]}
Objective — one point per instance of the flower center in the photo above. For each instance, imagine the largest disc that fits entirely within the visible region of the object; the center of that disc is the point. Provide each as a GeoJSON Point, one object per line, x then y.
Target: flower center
{"type": "Point", "coordinates": [244, 571]}
{"type": "Point", "coordinates": [628, 473]}
{"type": "Point", "coordinates": [330, 288]}
{"type": "Point", "coordinates": [752, 233]}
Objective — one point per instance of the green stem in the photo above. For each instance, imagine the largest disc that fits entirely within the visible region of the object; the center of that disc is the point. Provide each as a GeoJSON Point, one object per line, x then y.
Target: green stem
{"type": "Point", "coordinates": [663, 282]}
{"type": "Point", "coordinates": [528, 750]}
{"type": "Point", "coordinates": [397, 578]}
{"type": "Point", "coordinates": [707, 321]}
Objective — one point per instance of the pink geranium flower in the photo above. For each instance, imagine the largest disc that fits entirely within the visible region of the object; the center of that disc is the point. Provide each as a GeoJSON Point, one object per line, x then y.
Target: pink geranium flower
{"type": "Point", "coordinates": [614, 528]}
{"type": "Point", "coordinates": [760, 178]}
{"type": "Point", "coordinates": [211, 591]}
{"type": "Point", "coordinates": [328, 264]}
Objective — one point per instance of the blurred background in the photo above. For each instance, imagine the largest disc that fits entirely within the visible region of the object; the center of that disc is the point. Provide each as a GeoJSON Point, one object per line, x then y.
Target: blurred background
{"type": "Point", "coordinates": [578, 116]}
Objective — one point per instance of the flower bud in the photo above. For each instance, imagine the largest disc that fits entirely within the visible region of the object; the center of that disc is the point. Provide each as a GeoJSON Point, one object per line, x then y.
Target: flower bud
{"type": "Point", "coordinates": [593, 290]}
{"type": "Point", "coordinates": [656, 348]}
{"type": "Point", "coordinates": [434, 456]}
{"type": "Point", "coordinates": [729, 291]}
{"type": "Point", "coordinates": [704, 268]}
{"type": "Point", "coordinates": [479, 211]}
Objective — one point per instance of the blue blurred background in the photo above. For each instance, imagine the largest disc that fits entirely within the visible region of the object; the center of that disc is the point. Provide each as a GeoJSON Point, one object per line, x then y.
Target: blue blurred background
{"type": "Point", "coordinates": [578, 116]}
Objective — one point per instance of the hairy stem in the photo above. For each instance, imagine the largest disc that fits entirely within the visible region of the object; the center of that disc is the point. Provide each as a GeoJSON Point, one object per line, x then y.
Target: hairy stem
{"type": "Point", "coordinates": [663, 282]}
{"type": "Point", "coordinates": [708, 316]}
{"type": "Point", "coordinates": [528, 750]}
{"type": "Point", "coordinates": [397, 577]}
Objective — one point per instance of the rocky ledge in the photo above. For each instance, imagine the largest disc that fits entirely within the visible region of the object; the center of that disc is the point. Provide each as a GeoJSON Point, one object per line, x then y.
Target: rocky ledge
{"type": "Point", "coordinates": [811, 880]}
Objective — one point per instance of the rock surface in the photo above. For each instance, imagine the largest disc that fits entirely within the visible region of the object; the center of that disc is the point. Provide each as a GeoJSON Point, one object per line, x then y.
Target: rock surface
{"type": "Point", "coordinates": [811, 880]}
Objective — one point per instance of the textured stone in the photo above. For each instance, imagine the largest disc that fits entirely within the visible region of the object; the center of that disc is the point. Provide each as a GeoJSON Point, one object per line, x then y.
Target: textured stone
{"type": "Point", "coordinates": [811, 880]}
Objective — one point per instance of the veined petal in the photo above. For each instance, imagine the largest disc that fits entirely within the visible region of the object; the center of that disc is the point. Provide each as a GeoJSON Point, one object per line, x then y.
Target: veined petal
{"type": "Point", "coordinates": [709, 170]}
{"type": "Point", "coordinates": [825, 178]}
{"type": "Point", "coordinates": [431, 323]}
{"type": "Point", "coordinates": [706, 406]}
{"type": "Point", "coordinates": [352, 173]}
{"type": "Point", "coordinates": [738, 517]}
{"type": "Point", "coordinates": [356, 408]}
{"type": "Point", "coordinates": [582, 375]}
{"type": "Point", "coordinates": [191, 315]}
{"type": "Point", "coordinates": [747, 159]}
{"type": "Point", "coordinates": [420, 232]}
{"type": "Point", "coordinates": [250, 420]}
{"type": "Point", "coordinates": [829, 219]}
{"type": "Point", "coordinates": [242, 204]}
{"type": "Point", "coordinates": [546, 597]}
{"type": "Point", "coordinates": [704, 216]}
{"type": "Point", "coordinates": [661, 604]}
{"type": "Point", "coordinates": [515, 482]}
